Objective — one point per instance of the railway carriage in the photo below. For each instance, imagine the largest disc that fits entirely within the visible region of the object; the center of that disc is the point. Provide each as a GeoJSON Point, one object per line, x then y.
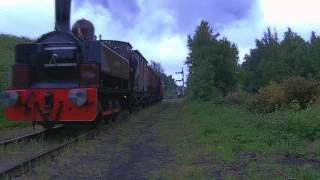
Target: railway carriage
{"type": "Point", "coordinates": [155, 87]}
{"type": "Point", "coordinates": [69, 76]}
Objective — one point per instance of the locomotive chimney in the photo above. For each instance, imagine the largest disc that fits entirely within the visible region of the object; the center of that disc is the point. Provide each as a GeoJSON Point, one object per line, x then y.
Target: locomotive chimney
{"type": "Point", "coordinates": [63, 8]}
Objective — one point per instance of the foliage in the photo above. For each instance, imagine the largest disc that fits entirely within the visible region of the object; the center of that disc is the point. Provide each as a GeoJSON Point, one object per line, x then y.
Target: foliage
{"type": "Point", "coordinates": [7, 47]}
{"type": "Point", "coordinates": [300, 90]}
{"type": "Point", "coordinates": [157, 67]}
{"type": "Point", "coordinates": [212, 64]}
{"type": "Point", "coordinates": [287, 125]}
{"type": "Point", "coordinates": [228, 131]}
{"type": "Point", "coordinates": [294, 93]}
{"type": "Point", "coordinates": [238, 97]}
{"type": "Point", "coordinates": [271, 98]}
{"type": "Point", "coordinates": [275, 60]}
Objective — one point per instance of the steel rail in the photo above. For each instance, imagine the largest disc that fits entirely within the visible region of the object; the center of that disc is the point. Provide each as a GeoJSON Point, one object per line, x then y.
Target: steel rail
{"type": "Point", "coordinates": [24, 137]}
{"type": "Point", "coordinates": [21, 138]}
{"type": "Point", "coordinates": [30, 162]}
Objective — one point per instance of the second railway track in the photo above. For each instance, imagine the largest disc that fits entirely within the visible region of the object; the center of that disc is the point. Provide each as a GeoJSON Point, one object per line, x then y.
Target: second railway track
{"type": "Point", "coordinates": [17, 163]}
{"type": "Point", "coordinates": [27, 136]}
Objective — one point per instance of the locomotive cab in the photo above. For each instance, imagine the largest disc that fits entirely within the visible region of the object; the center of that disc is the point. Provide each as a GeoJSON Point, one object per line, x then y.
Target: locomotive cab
{"type": "Point", "coordinates": [45, 63]}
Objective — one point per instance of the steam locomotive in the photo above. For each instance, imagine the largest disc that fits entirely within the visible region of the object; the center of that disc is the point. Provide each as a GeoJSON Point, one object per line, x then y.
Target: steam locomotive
{"type": "Point", "coordinates": [68, 76]}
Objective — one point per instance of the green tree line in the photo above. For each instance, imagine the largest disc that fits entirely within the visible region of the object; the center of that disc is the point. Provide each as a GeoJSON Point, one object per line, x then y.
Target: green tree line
{"type": "Point", "coordinates": [214, 69]}
{"type": "Point", "coordinates": [277, 60]}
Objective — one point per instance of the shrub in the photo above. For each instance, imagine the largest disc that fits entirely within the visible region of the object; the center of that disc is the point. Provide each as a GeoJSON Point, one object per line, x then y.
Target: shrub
{"type": "Point", "coordinates": [220, 101]}
{"type": "Point", "coordinates": [238, 97]}
{"type": "Point", "coordinates": [304, 124]}
{"type": "Point", "coordinates": [270, 98]}
{"type": "Point", "coordinates": [294, 93]}
{"type": "Point", "coordinates": [300, 90]}
{"type": "Point", "coordinates": [249, 100]}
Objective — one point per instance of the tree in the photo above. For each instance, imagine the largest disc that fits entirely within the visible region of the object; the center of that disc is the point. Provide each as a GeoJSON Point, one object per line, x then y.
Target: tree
{"type": "Point", "coordinates": [212, 63]}
{"type": "Point", "coordinates": [274, 60]}
{"type": "Point", "coordinates": [169, 82]}
{"type": "Point", "coordinates": [294, 54]}
{"type": "Point", "coordinates": [263, 64]}
{"type": "Point", "coordinates": [157, 67]}
{"type": "Point", "coordinates": [314, 57]}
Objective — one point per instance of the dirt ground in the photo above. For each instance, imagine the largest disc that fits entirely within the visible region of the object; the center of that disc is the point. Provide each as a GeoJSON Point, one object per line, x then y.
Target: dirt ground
{"type": "Point", "coordinates": [159, 142]}
{"type": "Point", "coordinates": [131, 148]}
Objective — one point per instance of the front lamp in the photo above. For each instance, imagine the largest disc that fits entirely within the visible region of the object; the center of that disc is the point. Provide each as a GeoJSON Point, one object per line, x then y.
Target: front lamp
{"type": "Point", "coordinates": [9, 98]}
{"type": "Point", "coordinates": [78, 97]}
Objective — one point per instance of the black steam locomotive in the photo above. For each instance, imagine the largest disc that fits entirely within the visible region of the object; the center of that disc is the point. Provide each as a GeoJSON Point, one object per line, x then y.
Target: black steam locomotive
{"type": "Point", "coordinates": [69, 76]}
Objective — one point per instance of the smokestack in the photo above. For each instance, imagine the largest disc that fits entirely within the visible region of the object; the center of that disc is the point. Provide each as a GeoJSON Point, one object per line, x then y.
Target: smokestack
{"type": "Point", "coordinates": [63, 8]}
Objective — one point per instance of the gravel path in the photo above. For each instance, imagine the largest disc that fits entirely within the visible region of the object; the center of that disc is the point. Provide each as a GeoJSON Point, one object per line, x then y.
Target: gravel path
{"type": "Point", "coordinates": [129, 149]}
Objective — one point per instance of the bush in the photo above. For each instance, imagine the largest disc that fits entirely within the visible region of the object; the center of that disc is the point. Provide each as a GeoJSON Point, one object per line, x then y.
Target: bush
{"type": "Point", "coordinates": [238, 97]}
{"type": "Point", "coordinates": [270, 98]}
{"type": "Point", "coordinates": [249, 100]}
{"type": "Point", "coordinates": [220, 101]}
{"type": "Point", "coordinates": [304, 124]}
{"type": "Point", "coordinates": [294, 93]}
{"type": "Point", "coordinates": [300, 90]}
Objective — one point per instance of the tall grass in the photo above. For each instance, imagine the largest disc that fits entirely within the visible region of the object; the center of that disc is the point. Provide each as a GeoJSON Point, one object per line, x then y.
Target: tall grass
{"type": "Point", "coordinates": [228, 130]}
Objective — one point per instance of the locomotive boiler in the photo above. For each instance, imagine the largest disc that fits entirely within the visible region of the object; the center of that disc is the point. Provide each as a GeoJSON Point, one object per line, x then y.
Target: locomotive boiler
{"type": "Point", "coordinates": [69, 76]}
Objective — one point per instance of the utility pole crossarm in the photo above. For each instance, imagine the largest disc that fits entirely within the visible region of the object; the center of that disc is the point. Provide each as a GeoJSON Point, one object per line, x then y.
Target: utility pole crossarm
{"type": "Point", "coordinates": [182, 79]}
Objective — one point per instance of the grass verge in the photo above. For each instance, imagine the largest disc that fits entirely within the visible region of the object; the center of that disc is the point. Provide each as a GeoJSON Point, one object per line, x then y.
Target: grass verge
{"type": "Point", "coordinates": [229, 142]}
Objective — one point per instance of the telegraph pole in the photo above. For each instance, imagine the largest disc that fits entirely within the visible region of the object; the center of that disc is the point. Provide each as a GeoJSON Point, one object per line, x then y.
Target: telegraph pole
{"type": "Point", "coordinates": [181, 80]}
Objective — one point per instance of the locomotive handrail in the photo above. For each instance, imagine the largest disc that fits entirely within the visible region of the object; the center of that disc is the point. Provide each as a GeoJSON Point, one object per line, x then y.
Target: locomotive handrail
{"type": "Point", "coordinates": [61, 65]}
{"type": "Point", "coordinates": [60, 48]}
{"type": "Point", "coordinates": [57, 43]}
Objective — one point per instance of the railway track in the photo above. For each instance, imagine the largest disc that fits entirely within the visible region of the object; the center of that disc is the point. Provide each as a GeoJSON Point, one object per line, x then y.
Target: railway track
{"type": "Point", "coordinates": [21, 138]}
{"type": "Point", "coordinates": [24, 137]}
{"type": "Point", "coordinates": [19, 168]}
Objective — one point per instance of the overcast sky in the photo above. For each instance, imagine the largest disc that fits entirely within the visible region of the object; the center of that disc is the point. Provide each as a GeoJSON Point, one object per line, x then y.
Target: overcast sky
{"type": "Point", "coordinates": [158, 28]}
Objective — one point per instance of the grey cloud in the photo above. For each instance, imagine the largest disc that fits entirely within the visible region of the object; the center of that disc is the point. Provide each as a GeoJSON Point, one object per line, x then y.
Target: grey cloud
{"type": "Point", "coordinates": [125, 11]}
{"type": "Point", "coordinates": [217, 12]}
{"type": "Point", "coordinates": [187, 13]}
